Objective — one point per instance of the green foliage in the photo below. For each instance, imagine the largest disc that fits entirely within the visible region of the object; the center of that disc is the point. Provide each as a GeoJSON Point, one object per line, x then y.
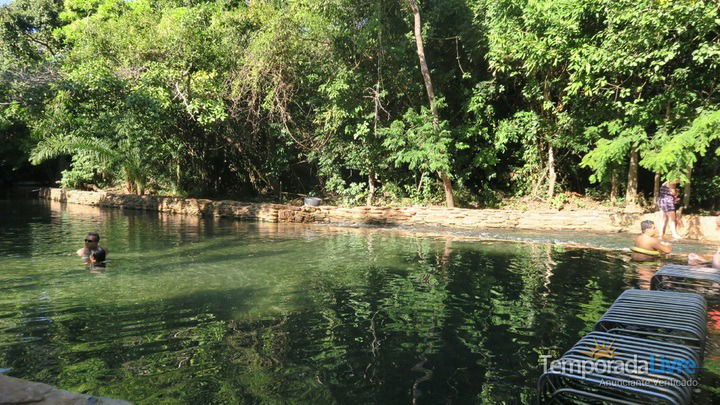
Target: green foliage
{"type": "Point", "coordinates": [16, 141]}
{"type": "Point", "coordinates": [611, 151]}
{"type": "Point", "coordinates": [523, 128]}
{"type": "Point", "coordinates": [269, 98]}
{"type": "Point", "coordinates": [416, 142]}
{"type": "Point", "coordinates": [675, 154]}
{"type": "Point", "coordinates": [94, 156]}
{"type": "Point", "coordinates": [559, 201]}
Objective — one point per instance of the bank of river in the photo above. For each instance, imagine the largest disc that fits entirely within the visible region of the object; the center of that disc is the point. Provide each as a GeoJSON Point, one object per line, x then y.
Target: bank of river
{"type": "Point", "coordinates": [473, 220]}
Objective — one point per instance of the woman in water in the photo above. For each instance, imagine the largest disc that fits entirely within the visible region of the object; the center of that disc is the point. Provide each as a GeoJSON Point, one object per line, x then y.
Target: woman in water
{"type": "Point", "coordinates": [666, 202]}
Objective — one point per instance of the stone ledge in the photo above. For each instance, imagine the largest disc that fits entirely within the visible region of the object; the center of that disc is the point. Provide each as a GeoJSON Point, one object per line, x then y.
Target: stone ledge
{"type": "Point", "coordinates": [16, 391]}
{"type": "Point", "coordinates": [696, 227]}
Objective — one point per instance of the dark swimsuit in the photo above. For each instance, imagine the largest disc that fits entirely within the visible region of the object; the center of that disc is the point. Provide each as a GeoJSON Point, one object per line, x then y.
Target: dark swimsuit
{"type": "Point", "coordinates": [666, 201]}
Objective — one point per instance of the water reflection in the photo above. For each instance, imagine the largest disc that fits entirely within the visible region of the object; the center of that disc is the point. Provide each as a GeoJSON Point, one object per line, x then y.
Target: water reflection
{"type": "Point", "coordinates": [197, 310]}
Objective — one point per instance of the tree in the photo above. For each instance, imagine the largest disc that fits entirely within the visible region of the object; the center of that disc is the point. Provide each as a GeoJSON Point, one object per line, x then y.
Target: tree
{"type": "Point", "coordinates": [647, 72]}
{"type": "Point", "coordinates": [530, 48]}
{"type": "Point", "coordinates": [678, 154]}
{"type": "Point", "coordinates": [28, 65]}
{"type": "Point", "coordinates": [275, 99]}
{"type": "Point", "coordinates": [417, 31]}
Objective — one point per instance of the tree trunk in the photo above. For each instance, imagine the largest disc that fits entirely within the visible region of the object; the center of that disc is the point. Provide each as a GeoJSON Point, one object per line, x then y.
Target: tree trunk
{"type": "Point", "coordinates": [552, 176]}
{"type": "Point", "coordinates": [539, 182]}
{"type": "Point", "coordinates": [417, 29]}
{"type": "Point", "coordinates": [614, 186]}
{"type": "Point", "coordinates": [376, 120]}
{"type": "Point", "coordinates": [276, 187]}
{"type": "Point", "coordinates": [445, 259]}
{"type": "Point", "coordinates": [656, 186]}
{"type": "Point", "coordinates": [632, 179]}
{"type": "Point", "coordinates": [371, 188]}
{"type": "Point", "coordinates": [687, 188]}
{"type": "Point", "coordinates": [447, 185]}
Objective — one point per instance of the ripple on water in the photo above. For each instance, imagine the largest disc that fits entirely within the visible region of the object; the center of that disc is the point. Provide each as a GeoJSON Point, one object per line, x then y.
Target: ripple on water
{"type": "Point", "coordinates": [205, 310]}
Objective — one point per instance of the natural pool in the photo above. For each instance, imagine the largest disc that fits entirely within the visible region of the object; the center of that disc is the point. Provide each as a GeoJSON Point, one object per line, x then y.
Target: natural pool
{"type": "Point", "coordinates": [204, 311]}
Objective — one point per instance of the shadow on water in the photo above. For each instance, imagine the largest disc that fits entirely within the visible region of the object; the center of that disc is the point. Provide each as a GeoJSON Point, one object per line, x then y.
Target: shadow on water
{"type": "Point", "coordinates": [61, 342]}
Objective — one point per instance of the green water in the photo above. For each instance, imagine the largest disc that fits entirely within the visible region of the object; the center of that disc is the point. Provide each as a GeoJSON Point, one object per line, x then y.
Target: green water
{"type": "Point", "coordinates": [202, 311]}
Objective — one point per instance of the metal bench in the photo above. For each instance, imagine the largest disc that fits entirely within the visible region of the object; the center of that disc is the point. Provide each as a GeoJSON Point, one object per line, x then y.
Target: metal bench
{"type": "Point", "coordinates": [663, 315]}
{"type": "Point", "coordinates": [574, 378]}
{"type": "Point", "coordinates": [686, 278]}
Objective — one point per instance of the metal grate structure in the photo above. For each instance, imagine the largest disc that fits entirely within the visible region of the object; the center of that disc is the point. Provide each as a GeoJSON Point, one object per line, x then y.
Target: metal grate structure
{"type": "Point", "coordinates": [678, 277]}
{"type": "Point", "coordinates": [586, 375]}
{"type": "Point", "coordinates": [661, 333]}
{"type": "Point", "coordinates": [662, 315]}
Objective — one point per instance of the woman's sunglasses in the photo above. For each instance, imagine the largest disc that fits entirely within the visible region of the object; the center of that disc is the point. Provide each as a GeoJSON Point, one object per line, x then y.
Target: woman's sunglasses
{"type": "Point", "coordinates": [89, 241]}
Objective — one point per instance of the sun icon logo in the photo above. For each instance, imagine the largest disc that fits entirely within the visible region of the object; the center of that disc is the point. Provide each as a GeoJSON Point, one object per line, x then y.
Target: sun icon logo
{"type": "Point", "coordinates": [601, 351]}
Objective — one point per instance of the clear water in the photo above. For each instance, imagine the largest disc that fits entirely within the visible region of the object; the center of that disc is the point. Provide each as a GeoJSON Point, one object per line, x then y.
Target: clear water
{"type": "Point", "coordinates": [203, 311]}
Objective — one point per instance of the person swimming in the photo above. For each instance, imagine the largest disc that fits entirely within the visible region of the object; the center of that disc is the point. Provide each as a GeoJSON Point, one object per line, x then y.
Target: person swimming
{"type": "Point", "coordinates": [92, 242]}
{"type": "Point", "coordinates": [97, 257]}
{"type": "Point", "coordinates": [647, 246]}
{"type": "Point", "coordinates": [695, 259]}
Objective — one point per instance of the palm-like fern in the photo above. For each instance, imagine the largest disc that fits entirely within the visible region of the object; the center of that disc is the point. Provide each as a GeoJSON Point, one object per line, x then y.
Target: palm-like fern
{"type": "Point", "coordinates": [54, 146]}
{"type": "Point", "coordinates": [106, 156]}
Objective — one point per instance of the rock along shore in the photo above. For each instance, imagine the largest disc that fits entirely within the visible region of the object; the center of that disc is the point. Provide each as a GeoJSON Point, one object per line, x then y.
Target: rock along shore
{"type": "Point", "coordinates": [16, 391]}
{"type": "Point", "coordinates": [695, 227]}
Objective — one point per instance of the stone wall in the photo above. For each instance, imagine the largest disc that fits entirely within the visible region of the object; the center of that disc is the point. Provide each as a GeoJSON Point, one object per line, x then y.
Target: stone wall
{"type": "Point", "coordinates": [695, 227]}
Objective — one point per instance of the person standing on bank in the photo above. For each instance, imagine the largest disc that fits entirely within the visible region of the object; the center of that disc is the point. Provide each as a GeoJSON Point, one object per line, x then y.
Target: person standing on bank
{"type": "Point", "coordinates": [667, 198]}
{"type": "Point", "coordinates": [92, 242]}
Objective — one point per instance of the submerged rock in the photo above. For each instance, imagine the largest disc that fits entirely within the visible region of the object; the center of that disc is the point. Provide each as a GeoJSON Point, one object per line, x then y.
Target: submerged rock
{"type": "Point", "coordinates": [16, 391]}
